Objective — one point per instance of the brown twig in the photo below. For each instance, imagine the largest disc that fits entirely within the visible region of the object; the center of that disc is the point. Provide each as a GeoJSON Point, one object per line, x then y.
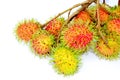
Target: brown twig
{"type": "Point", "coordinates": [59, 34]}
{"type": "Point", "coordinates": [69, 9]}
{"type": "Point", "coordinates": [118, 2]}
{"type": "Point", "coordinates": [98, 15]}
{"type": "Point", "coordinates": [69, 13]}
{"type": "Point", "coordinates": [104, 2]}
{"type": "Point", "coordinates": [99, 24]}
{"type": "Point", "coordinates": [80, 9]}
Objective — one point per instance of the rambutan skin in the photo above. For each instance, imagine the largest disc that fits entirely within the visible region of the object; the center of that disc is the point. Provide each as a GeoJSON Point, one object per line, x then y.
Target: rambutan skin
{"type": "Point", "coordinates": [42, 42]}
{"type": "Point", "coordinates": [104, 16]}
{"type": "Point", "coordinates": [109, 51]}
{"type": "Point", "coordinates": [114, 25]}
{"type": "Point", "coordinates": [83, 16]}
{"type": "Point", "coordinates": [25, 30]}
{"type": "Point", "coordinates": [65, 61]}
{"type": "Point", "coordinates": [78, 36]}
{"type": "Point", "coordinates": [116, 11]}
{"type": "Point", "coordinates": [54, 26]}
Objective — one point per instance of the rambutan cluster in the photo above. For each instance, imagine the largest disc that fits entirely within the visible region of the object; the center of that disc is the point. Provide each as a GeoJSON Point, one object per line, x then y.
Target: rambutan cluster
{"type": "Point", "coordinates": [65, 40]}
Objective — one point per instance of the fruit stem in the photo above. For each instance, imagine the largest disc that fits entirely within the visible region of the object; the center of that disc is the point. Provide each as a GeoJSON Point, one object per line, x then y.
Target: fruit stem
{"type": "Point", "coordinates": [69, 9]}
{"type": "Point", "coordinates": [104, 2]}
{"type": "Point", "coordinates": [99, 24]}
{"type": "Point", "coordinates": [83, 4]}
{"type": "Point", "coordinates": [98, 15]}
{"type": "Point", "coordinates": [69, 13]}
{"type": "Point", "coordinates": [59, 34]}
{"type": "Point", "coordinates": [118, 2]}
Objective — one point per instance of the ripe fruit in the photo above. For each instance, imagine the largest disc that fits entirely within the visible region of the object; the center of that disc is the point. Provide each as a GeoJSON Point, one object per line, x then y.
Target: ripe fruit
{"type": "Point", "coordinates": [77, 37]}
{"type": "Point", "coordinates": [42, 42]}
{"type": "Point", "coordinates": [54, 26]}
{"type": "Point", "coordinates": [109, 52]}
{"type": "Point", "coordinates": [116, 11]}
{"type": "Point", "coordinates": [26, 29]}
{"type": "Point", "coordinates": [83, 16]}
{"type": "Point", "coordinates": [114, 25]}
{"type": "Point", "coordinates": [103, 15]}
{"type": "Point", "coordinates": [65, 40]}
{"type": "Point", "coordinates": [65, 61]}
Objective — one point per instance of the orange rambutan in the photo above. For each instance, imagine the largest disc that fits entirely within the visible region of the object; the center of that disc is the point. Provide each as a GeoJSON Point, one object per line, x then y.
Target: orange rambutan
{"type": "Point", "coordinates": [109, 51]}
{"type": "Point", "coordinates": [116, 11]}
{"type": "Point", "coordinates": [25, 30]}
{"type": "Point", "coordinates": [42, 42]}
{"type": "Point", "coordinates": [83, 16]}
{"type": "Point", "coordinates": [104, 16]}
{"type": "Point", "coordinates": [114, 25]}
{"type": "Point", "coordinates": [54, 26]}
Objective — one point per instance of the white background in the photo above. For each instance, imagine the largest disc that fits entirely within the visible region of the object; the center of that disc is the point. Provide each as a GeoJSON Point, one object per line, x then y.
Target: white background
{"type": "Point", "coordinates": [17, 62]}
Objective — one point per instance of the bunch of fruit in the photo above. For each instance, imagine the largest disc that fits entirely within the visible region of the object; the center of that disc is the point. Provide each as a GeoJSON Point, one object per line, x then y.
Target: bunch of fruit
{"type": "Point", "coordinates": [66, 42]}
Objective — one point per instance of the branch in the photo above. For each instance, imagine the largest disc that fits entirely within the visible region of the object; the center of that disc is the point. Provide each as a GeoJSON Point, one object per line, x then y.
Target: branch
{"type": "Point", "coordinates": [80, 9]}
{"type": "Point", "coordinates": [98, 15]}
{"type": "Point", "coordinates": [59, 33]}
{"type": "Point", "coordinates": [69, 13]}
{"type": "Point", "coordinates": [118, 2]}
{"type": "Point", "coordinates": [98, 25]}
{"type": "Point", "coordinates": [104, 2]}
{"type": "Point", "coordinates": [69, 9]}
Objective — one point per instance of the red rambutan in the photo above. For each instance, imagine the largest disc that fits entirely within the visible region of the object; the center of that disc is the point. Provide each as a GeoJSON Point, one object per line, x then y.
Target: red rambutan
{"type": "Point", "coordinates": [54, 26]}
{"type": "Point", "coordinates": [78, 36]}
{"type": "Point", "coordinates": [114, 25]}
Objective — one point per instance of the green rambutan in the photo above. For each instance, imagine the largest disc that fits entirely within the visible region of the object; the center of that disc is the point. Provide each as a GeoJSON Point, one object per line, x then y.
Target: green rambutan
{"type": "Point", "coordinates": [54, 26]}
{"type": "Point", "coordinates": [42, 42]}
{"type": "Point", "coordinates": [65, 60]}
{"type": "Point", "coordinates": [26, 29]}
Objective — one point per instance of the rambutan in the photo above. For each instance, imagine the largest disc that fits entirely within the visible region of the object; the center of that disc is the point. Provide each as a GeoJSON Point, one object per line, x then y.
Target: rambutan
{"type": "Point", "coordinates": [83, 16]}
{"type": "Point", "coordinates": [54, 26]}
{"type": "Point", "coordinates": [109, 50]}
{"type": "Point", "coordinates": [114, 25]}
{"type": "Point", "coordinates": [103, 12]}
{"type": "Point", "coordinates": [42, 42]}
{"type": "Point", "coordinates": [77, 37]}
{"type": "Point", "coordinates": [26, 29]}
{"type": "Point", "coordinates": [116, 11]}
{"type": "Point", "coordinates": [104, 16]}
{"type": "Point", "coordinates": [65, 61]}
